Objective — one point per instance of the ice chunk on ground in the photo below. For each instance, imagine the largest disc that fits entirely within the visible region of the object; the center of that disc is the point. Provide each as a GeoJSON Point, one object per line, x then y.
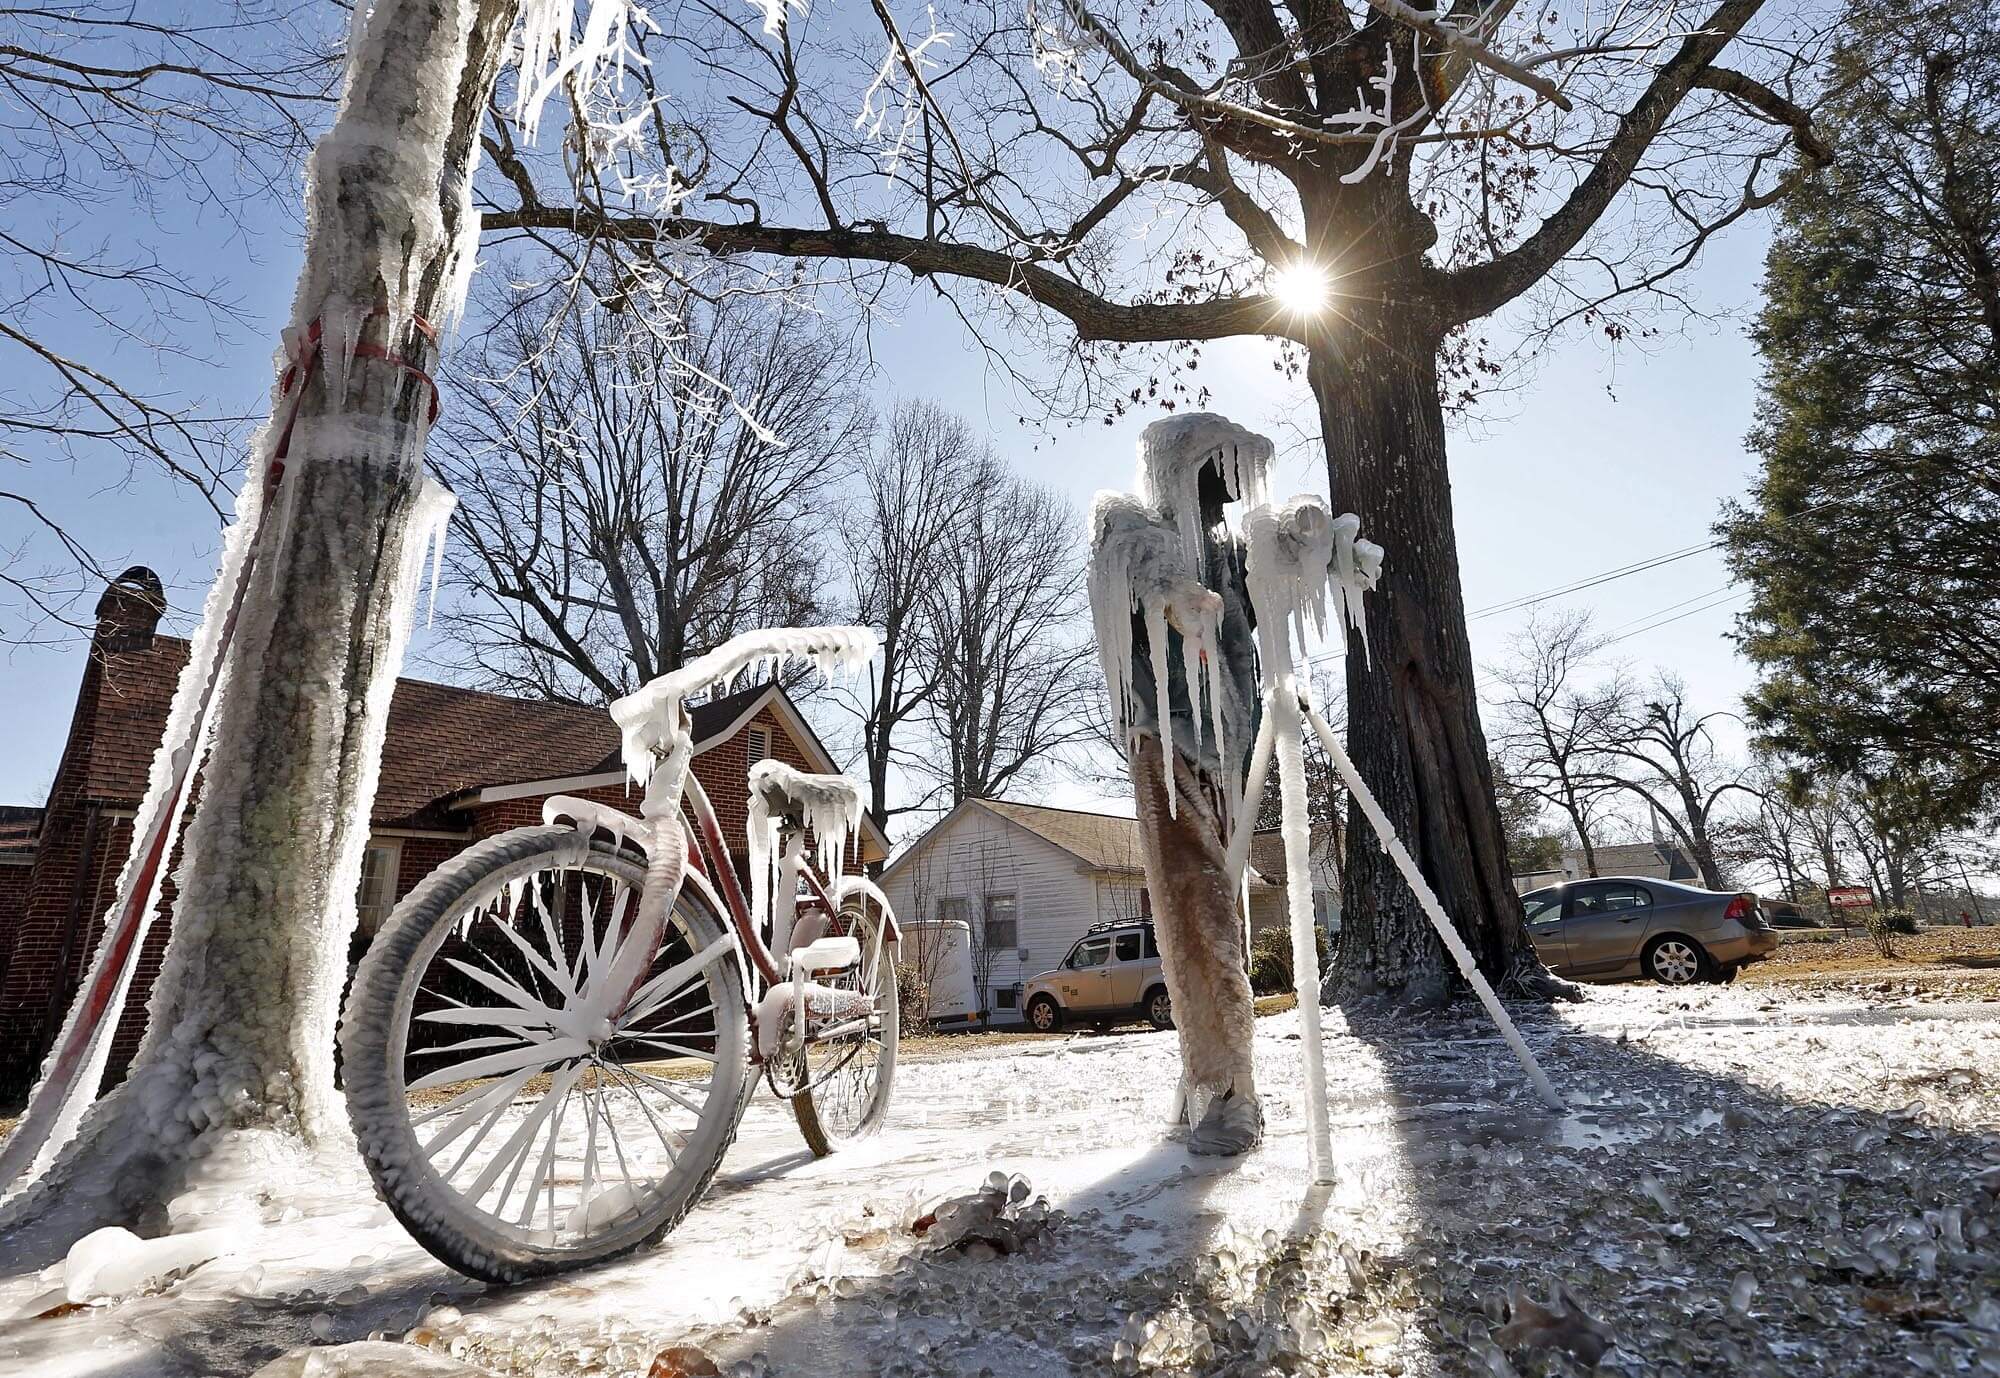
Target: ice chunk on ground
{"type": "Point", "coordinates": [367, 1359]}
{"type": "Point", "coordinates": [113, 1261]}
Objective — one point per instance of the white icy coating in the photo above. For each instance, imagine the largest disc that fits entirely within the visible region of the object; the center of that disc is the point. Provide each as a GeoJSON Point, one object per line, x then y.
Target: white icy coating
{"type": "Point", "coordinates": [113, 1261]}
{"type": "Point", "coordinates": [550, 50]}
{"type": "Point", "coordinates": [1138, 564]}
{"type": "Point", "coordinates": [1298, 554]}
{"type": "Point", "coordinates": [829, 804]}
{"type": "Point", "coordinates": [1174, 451]}
{"type": "Point", "coordinates": [1424, 1170]}
{"type": "Point", "coordinates": [860, 887]}
{"type": "Point", "coordinates": [650, 717]}
{"type": "Point", "coordinates": [1385, 833]}
{"type": "Point", "coordinates": [1289, 561]}
{"type": "Point", "coordinates": [590, 818]}
{"type": "Point", "coordinates": [821, 1002]}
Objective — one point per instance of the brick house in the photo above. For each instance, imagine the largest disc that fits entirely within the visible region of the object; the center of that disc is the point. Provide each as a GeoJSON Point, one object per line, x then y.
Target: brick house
{"type": "Point", "coordinates": [458, 765]}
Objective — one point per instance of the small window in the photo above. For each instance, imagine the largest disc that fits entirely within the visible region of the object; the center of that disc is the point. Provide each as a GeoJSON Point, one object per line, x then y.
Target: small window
{"type": "Point", "coordinates": [757, 742]}
{"type": "Point", "coordinates": [1152, 947]}
{"type": "Point", "coordinates": [1544, 908]}
{"type": "Point", "coordinates": [1128, 947]}
{"type": "Point", "coordinates": [1145, 904]}
{"type": "Point", "coordinates": [955, 909]}
{"type": "Point", "coordinates": [1002, 929]}
{"type": "Point", "coordinates": [377, 895]}
{"type": "Point", "coordinates": [1091, 952]}
{"type": "Point", "coordinates": [1004, 999]}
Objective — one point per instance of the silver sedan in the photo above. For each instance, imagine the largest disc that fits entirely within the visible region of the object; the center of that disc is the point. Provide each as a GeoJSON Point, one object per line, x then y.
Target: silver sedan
{"type": "Point", "coordinates": [1611, 928]}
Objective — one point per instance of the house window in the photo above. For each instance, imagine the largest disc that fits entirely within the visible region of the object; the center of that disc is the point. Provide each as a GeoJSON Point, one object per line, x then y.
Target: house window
{"type": "Point", "coordinates": [757, 741]}
{"type": "Point", "coordinates": [1004, 997]}
{"type": "Point", "coordinates": [1003, 929]}
{"type": "Point", "coordinates": [378, 884]}
{"type": "Point", "coordinates": [954, 910]}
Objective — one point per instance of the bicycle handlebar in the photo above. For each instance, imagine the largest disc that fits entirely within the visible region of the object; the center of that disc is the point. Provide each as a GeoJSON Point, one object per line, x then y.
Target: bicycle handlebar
{"type": "Point", "coordinates": [649, 718]}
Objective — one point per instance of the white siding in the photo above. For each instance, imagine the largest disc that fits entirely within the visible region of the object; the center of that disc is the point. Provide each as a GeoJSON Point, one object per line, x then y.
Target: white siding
{"type": "Point", "coordinates": [975, 853]}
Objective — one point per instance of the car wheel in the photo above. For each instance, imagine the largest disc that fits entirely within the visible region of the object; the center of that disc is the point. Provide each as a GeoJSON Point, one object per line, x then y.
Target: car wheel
{"type": "Point", "coordinates": [1044, 1014]}
{"type": "Point", "coordinates": [1676, 961]}
{"type": "Point", "coordinates": [1160, 1008]}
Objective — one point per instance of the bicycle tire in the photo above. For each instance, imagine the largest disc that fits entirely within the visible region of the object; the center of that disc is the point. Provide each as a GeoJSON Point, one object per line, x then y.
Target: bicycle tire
{"type": "Point", "coordinates": [824, 1113]}
{"type": "Point", "coordinates": [375, 1034]}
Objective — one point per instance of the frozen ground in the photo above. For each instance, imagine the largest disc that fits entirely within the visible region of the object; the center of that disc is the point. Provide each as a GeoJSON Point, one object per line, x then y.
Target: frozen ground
{"type": "Point", "coordinates": [1746, 1183]}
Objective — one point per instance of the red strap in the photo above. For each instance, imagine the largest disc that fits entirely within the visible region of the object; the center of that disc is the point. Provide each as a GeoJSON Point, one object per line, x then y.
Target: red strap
{"type": "Point", "coordinates": [308, 356]}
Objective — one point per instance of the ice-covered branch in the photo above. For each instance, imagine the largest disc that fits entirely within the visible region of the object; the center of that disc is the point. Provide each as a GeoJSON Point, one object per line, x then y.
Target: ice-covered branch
{"type": "Point", "coordinates": [1465, 45]}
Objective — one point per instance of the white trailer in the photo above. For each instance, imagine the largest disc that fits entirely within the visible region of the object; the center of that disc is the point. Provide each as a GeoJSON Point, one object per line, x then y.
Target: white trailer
{"type": "Point", "coordinates": [940, 950]}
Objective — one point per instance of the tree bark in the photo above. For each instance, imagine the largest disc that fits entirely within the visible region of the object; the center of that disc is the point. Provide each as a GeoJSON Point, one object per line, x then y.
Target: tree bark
{"type": "Point", "coordinates": [1413, 718]}
{"type": "Point", "coordinates": [240, 1027]}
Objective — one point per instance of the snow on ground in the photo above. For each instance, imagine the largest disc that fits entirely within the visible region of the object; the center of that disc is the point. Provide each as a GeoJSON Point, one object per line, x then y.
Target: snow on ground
{"type": "Point", "coordinates": [1745, 1183]}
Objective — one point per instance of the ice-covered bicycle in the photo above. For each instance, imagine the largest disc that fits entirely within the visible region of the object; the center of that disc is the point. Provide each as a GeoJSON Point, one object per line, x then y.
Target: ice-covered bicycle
{"type": "Point", "coordinates": [550, 1044]}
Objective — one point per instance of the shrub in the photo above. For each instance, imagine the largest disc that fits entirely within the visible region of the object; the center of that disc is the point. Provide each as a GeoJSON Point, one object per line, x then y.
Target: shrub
{"type": "Point", "coordinates": [913, 1000]}
{"type": "Point", "coordinates": [1883, 924]}
{"type": "Point", "coordinates": [1271, 960]}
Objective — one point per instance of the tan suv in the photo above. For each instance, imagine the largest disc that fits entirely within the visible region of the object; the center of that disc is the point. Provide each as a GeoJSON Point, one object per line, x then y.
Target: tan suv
{"type": "Point", "coordinates": [1112, 975]}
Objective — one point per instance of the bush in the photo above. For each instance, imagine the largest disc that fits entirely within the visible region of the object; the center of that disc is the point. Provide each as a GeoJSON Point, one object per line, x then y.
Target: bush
{"type": "Point", "coordinates": [913, 1001]}
{"type": "Point", "coordinates": [1271, 960]}
{"type": "Point", "coordinates": [1883, 924]}
{"type": "Point", "coordinates": [1899, 921]}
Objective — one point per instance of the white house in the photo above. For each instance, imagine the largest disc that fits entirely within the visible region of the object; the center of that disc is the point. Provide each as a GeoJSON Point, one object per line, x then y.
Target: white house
{"type": "Point", "coordinates": [1030, 881]}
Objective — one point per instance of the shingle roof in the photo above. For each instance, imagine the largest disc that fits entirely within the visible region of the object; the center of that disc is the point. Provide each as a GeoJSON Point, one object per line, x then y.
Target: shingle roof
{"type": "Point", "coordinates": [1102, 841]}
{"type": "Point", "coordinates": [442, 740]}
{"type": "Point", "coordinates": [20, 831]}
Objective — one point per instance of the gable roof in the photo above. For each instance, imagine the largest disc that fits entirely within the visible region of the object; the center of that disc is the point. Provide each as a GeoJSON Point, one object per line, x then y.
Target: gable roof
{"type": "Point", "coordinates": [1102, 841]}
{"type": "Point", "coordinates": [1106, 842]}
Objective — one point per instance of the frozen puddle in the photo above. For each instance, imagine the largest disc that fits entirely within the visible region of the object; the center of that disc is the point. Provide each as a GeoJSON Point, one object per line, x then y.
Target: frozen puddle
{"type": "Point", "coordinates": [1731, 1186]}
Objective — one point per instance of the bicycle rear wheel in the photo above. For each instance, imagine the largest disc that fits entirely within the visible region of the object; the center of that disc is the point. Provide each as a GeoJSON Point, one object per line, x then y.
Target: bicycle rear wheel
{"type": "Point", "coordinates": [849, 1066]}
{"type": "Point", "coordinates": [512, 1125]}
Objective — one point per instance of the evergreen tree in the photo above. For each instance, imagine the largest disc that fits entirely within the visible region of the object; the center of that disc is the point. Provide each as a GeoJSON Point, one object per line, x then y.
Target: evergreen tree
{"type": "Point", "coordinates": [1872, 543]}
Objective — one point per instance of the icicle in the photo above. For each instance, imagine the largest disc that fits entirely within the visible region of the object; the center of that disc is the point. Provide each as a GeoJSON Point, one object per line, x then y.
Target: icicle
{"type": "Point", "coordinates": [1156, 639]}
{"type": "Point", "coordinates": [1193, 650]}
{"type": "Point", "coordinates": [648, 717]}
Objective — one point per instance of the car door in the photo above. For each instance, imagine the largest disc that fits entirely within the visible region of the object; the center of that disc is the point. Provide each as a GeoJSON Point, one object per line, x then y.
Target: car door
{"type": "Point", "coordinates": [1127, 969]}
{"type": "Point", "coordinates": [1542, 913]}
{"type": "Point", "coordinates": [1604, 924]}
{"type": "Point", "coordinates": [1086, 976]}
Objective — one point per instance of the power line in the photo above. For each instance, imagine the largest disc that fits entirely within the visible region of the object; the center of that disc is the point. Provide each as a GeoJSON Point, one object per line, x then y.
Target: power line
{"type": "Point", "coordinates": [1590, 581]}
{"type": "Point", "coordinates": [1654, 626]}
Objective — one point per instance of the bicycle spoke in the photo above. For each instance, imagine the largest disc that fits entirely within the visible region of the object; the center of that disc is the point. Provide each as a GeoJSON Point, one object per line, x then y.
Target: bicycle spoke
{"type": "Point", "coordinates": [539, 1054]}
{"type": "Point", "coordinates": [515, 1150]}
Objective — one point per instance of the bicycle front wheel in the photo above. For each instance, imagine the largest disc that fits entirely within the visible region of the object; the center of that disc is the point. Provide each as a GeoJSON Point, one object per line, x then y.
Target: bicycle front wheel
{"type": "Point", "coordinates": [848, 1063]}
{"type": "Point", "coordinates": [518, 1117]}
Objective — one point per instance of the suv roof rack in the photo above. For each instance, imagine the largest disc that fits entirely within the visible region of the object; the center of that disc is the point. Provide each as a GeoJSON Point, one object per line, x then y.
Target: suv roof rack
{"type": "Point", "coordinates": [1109, 924]}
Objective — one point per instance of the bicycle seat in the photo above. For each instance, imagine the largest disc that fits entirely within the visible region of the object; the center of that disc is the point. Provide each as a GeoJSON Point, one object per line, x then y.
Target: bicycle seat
{"type": "Point", "coordinates": [650, 718]}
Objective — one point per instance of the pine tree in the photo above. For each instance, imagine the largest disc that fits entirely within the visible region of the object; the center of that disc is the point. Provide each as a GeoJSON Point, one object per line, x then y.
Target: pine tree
{"type": "Point", "coordinates": [1872, 542]}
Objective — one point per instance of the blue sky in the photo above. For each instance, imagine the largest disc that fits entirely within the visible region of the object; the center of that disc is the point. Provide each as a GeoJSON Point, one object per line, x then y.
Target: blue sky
{"type": "Point", "coordinates": [1602, 459]}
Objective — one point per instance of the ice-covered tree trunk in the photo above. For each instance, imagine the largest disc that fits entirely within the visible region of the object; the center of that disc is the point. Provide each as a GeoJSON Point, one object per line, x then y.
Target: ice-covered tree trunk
{"type": "Point", "coordinates": [240, 1031]}
{"type": "Point", "coordinates": [1413, 718]}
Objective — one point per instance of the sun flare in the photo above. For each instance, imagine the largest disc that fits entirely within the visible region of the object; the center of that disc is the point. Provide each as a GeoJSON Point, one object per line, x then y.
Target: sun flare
{"type": "Point", "coordinates": [1302, 287]}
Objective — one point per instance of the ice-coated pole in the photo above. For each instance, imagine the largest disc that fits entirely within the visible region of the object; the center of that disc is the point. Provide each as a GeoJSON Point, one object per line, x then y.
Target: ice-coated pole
{"type": "Point", "coordinates": [1428, 899]}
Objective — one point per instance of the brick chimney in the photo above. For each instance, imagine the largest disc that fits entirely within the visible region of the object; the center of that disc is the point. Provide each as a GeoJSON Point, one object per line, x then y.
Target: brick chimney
{"type": "Point", "coordinates": [129, 612]}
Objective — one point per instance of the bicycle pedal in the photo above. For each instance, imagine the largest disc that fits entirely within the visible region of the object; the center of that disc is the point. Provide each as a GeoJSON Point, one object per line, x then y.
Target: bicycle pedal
{"type": "Point", "coordinates": [836, 953]}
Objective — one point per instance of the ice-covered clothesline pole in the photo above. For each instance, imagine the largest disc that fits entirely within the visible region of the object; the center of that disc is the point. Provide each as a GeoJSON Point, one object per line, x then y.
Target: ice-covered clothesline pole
{"type": "Point", "coordinates": [1297, 555]}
